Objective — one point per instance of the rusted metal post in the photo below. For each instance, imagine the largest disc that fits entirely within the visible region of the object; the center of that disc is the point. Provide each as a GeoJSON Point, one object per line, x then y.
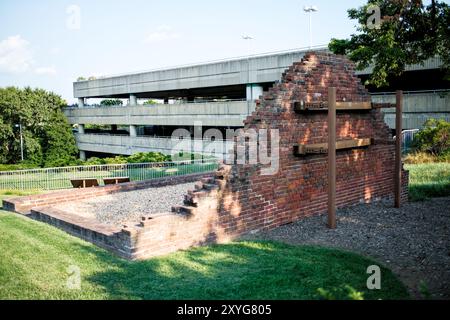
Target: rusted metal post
{"type": "Point", "coordinates": [398, 148]}
{"type": "Point", "coordinates": [332, 158]}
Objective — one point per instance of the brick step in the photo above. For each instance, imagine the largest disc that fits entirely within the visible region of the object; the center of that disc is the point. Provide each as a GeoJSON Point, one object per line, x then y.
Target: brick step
{"type": "Point", "coordinates": [210, 186]}
{"type": "Point", "coordinates": [193, 197]}
{"type": "Point", "coordinates": [209, 180]}
{"type": "Point", "coordinates": [184, 210]}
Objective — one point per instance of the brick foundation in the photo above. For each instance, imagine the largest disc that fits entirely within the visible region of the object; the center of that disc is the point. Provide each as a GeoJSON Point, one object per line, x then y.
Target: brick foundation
{"type": "Point", "coordinates": [25, 204]}
{"type": "Point", "coordinates": [238, 199]}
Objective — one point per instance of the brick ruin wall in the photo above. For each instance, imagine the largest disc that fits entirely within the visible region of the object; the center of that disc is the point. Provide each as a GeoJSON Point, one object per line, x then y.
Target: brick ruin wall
{"type": "Point", "coordinates": [238, 199]}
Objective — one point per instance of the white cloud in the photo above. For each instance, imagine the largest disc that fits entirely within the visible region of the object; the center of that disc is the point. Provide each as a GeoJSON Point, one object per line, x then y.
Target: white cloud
{"type": "Point", "coordinates": [162, 33]}
{"type": "Point", "coordinates": [55, 51]}
{"type": "Point", "coordinates": [45, 71]}
{"type": "Point", "coordinates": [15, 55]}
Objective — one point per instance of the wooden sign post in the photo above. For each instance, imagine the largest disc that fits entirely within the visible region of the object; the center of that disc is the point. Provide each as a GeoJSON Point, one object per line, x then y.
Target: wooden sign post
{"type": "Point", "coordinates": [332, 158]}
{"type": "Point", "coordinates": [398, 148]}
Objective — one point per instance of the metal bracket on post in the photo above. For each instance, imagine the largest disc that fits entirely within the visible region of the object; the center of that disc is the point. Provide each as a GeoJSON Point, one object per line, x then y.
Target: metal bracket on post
{"type": "Point", "coordinates": [332, 158]}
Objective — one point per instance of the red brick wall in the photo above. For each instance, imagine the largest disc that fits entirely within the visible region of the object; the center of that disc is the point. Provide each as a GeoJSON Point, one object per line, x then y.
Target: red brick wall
{"type": "Point", "coordinates": [247, 201]}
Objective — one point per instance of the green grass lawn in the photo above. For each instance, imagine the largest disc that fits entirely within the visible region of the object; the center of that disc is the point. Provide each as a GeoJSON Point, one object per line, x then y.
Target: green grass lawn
{"type": "Point", "coordinates": [35, 257]}
{"type": "Point", "coordinates": [428, 180]}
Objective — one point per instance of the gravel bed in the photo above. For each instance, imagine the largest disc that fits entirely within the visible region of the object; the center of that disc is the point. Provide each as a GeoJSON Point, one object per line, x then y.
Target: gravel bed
{"type": "Point", "coordinates": [120, 208]}
{"type": "Point", "coordinates": [414, 241]}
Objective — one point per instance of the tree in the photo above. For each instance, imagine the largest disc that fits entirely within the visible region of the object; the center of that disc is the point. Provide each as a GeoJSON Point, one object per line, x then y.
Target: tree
{"type": "Point", "coordinates": [111, 102]}
{"type": "Point", "coordinates": [48, 138]}
{"type": "Point", "coordinates": [396, 33]}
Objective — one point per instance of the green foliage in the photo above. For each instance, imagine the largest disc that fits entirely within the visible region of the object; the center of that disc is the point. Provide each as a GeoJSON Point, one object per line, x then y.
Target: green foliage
{"type": "Point", "coordinates": [96, 127]}
{"type": "Point", "coordinates": [111, 102]}
{"type": "Point", "coordinates": [100, 161]}
{"type": "Point", "coordinates": [143, 157]}
{"type": "Point", "coordinates": [48, 138]}
{"type": "Point", "coordinates": [81, 79]}
{"type": "Point", "coordinates": [409, 32]}
{"type": "Point", "coordinates": [150, 102]}
{"type": "Point", "coordinates": [346, 292]}
{"type": "Point", "coordinates": [434, 138]}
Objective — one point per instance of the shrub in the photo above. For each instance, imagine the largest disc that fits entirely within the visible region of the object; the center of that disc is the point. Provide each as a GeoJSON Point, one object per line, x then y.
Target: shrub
{"type": "Point", "coordinates": [111, 102]}
{"type": "Point", "coordinates": [434, 138]}
{"type": "Point", "coordinates": [115, 160]}
{"type": "Point", "coordinates": [143, 157]}
{"type": "Point", "coordinates": [94, 161]}
{"type": "Point", "coordinates": [420, 157]}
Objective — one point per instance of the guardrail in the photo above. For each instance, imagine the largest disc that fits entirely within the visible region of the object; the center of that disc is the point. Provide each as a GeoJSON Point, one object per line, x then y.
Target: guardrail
{"type": "Point", "coordinates": [59, 178]}
{"type": "Point", "coordinates": [175, 103]}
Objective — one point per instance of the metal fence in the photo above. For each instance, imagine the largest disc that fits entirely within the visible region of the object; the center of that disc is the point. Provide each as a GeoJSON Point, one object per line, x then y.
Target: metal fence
{"type": "Point", "coordinates": [407, 139]}
{"type": "Point", "coordinates": [59, 178]}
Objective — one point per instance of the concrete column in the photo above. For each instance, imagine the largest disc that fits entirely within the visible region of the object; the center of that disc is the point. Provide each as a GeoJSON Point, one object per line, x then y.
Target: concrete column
{"type": "Point", "coordinates": [254, 91]}
{"type": "Point", "coordinates": [133, 100]}
{"type": "Point", "coordinates": [133, 131]}
{"type": "Point", "coordinates": [81, 128]}
{"type": "Point", "coordinates": [257, 91]}
{"type": "Point", "coordinates": [80, 102]}
{"type": "Point", "coordinates": [249, 92]}
{"type": "Point", "coordinates": [82, 155]}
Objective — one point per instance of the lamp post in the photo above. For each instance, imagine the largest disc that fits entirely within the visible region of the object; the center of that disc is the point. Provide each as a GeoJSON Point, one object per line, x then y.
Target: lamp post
{"type": "Point", "coordinates": [310, 10]}
{"type": "Point", "coordinates": [21, 140]}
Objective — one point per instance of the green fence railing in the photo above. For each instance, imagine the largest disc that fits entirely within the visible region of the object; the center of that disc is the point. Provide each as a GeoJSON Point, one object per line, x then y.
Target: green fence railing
{"type": "Point", "coordinates": [59, 178]}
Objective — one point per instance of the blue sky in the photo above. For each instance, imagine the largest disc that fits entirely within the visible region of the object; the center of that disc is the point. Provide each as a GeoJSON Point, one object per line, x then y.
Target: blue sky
{"type": "Point", "coordinates": [43, 45]}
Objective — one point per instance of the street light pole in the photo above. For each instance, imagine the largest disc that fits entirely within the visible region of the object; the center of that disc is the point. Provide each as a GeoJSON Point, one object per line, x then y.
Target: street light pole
{"type": "Point", "coordinates": [310, 10]}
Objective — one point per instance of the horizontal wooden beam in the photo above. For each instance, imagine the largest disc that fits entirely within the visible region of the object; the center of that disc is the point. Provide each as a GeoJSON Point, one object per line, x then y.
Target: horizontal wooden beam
{"type": "Point", "coordinates": [301, 106]}
{"type": "Point", "coordinates": [383, 105]}
{"type": "Point", "coordinates": [317, 148]}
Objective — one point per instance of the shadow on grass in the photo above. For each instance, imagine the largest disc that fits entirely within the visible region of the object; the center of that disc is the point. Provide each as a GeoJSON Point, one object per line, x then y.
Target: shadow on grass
{"type": "Point", "coordinates": [420, 192]}
{"type": "Point", "coordinates": [428, 180]}
{"type": "Point", "coordinates": [242, 270]}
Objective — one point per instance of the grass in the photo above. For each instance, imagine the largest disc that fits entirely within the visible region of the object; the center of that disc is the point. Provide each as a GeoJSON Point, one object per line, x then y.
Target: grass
{"type": "Point", "coordinates": [14, 193]}
{"type": "Point", "coordinates": [35, 259]}
{"type": "Point", "coordinates": [428, 180]}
